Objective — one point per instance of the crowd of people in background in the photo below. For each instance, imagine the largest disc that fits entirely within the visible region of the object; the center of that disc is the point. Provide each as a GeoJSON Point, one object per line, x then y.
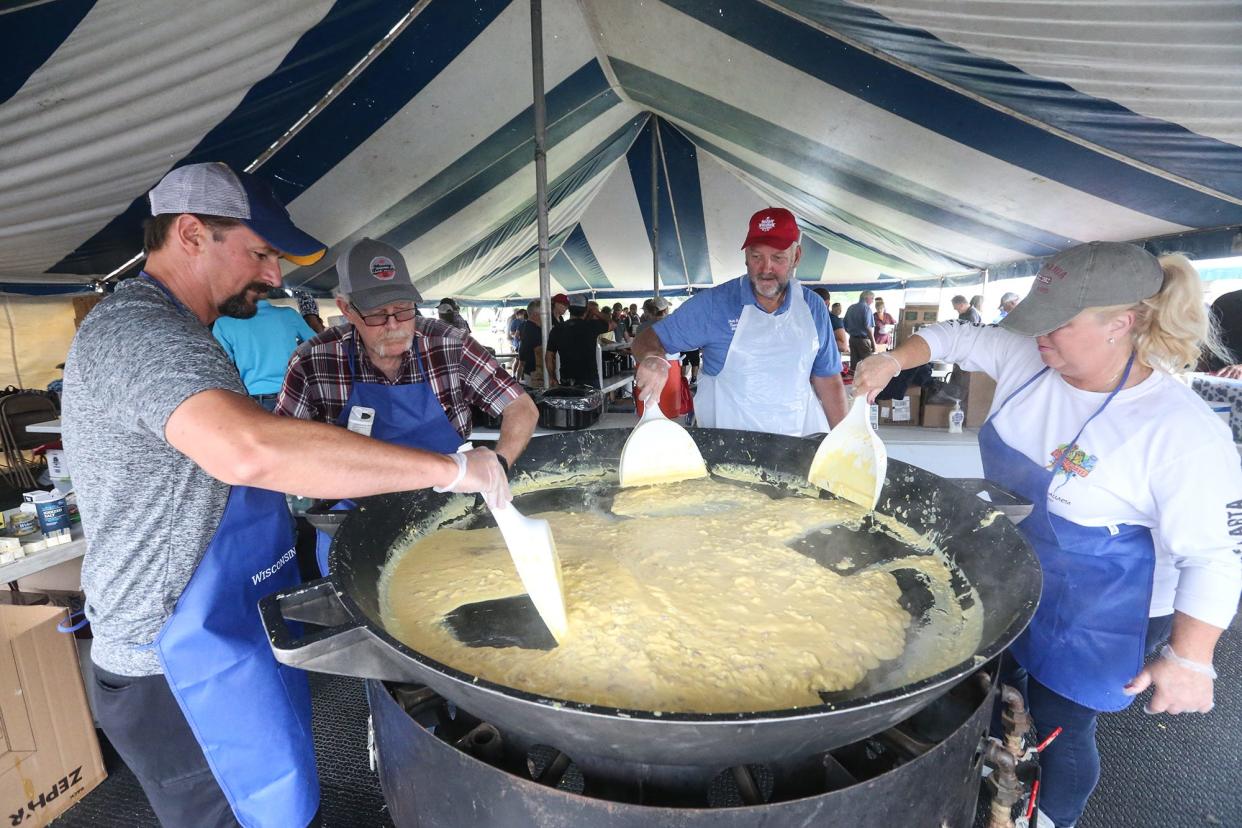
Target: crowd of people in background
{"type": "Point", "coordinates": [864, 327]}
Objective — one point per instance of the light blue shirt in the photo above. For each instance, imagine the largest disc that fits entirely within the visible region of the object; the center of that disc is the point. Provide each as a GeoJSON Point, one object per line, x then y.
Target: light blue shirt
{"type": "Point", "coordinates": [708, 319]}
{"type": "Point", "coordinates": [260, 347]}
{"type": "Point", "coordinates": [859, 319]}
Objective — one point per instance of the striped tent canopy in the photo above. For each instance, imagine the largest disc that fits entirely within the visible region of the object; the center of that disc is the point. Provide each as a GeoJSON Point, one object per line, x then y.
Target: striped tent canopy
{"type": "Point", "coordinates": [915, 140]}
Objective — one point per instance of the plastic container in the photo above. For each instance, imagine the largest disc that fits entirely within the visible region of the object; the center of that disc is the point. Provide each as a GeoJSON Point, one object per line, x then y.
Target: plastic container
{"type": "Point", "coordinates": [956, 417]}
{"type": "Point", "coordinates": [361, 419]}
{"type": "Point", "coordinates": [51, 508]}
{"type": "Point", "coordinates": [24, 521]}
{"type": "Point", "coordinates": [57, 467]}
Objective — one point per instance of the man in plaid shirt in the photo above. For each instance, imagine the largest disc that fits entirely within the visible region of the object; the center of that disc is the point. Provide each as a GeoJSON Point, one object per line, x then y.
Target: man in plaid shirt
{"type": "Point", "coordinates": [420, 375]}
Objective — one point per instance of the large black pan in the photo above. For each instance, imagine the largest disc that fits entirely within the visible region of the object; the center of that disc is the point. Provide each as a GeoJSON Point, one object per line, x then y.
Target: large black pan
{"type": "Point", "coordinates": [989, 552]}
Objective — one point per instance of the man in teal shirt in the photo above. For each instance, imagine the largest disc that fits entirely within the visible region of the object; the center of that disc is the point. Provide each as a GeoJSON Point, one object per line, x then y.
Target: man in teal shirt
{"type": "Point", "coordinates": [260, 347]}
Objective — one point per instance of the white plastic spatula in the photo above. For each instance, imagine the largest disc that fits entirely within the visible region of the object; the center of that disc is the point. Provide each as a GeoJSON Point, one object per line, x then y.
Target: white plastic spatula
{"type": "Point", "coordinates": [534, 556]}
{"type": "Point", "coordinates": [851, 461]}
{"type": "Point", "coordinates": [659, 450]}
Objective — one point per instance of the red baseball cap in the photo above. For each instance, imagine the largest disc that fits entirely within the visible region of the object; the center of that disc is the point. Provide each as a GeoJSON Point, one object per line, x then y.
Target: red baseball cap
{"type": "Point", "coordinates": [562, 298]}
{"type": "Point", "coordinates": [775, 226]}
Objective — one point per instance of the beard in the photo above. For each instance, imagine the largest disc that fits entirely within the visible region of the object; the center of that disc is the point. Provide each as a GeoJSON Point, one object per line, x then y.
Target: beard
{"type": "Point", "coordinates": [240, 305]}
{"type": "Point", "coordinates": [389, 345]}
{"type": "Point", "coordinates": [769, 289]}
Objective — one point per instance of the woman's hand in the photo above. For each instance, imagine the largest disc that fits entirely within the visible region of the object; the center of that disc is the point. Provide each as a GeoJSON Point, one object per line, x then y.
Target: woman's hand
{"type": "Point", "coordinates": [1182, 686]}
{"type": "Point", "coordinates": [1230, 372]}
{"type": "Point", "coordinates": [873, 373]}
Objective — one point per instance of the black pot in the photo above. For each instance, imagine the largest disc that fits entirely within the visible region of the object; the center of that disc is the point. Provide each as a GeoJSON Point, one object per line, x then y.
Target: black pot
{"type": "Point", "coordinates": [570, 407]}
{"type": "Point", "coordinates": [483, 419]}
{"type": "Point", "coordinates": [989, 551]}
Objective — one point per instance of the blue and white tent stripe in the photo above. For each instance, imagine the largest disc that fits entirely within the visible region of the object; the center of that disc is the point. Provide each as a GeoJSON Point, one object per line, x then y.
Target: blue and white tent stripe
{"type": "Point", "coordinates": [915, 140]}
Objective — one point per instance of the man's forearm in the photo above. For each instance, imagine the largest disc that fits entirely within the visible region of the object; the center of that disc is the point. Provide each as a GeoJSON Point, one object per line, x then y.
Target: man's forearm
{"type": "Point", "coordinates": [517, 422]}
{"type": "Point", "coordinates": [831, 393]}
{"type": "Point", "coordinates": [235, 441]}
{"type": "Point", "coordinates": [646, 344]}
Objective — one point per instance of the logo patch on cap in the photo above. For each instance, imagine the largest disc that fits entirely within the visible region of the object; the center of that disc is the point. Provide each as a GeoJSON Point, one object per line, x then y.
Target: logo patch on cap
{"type": "Point", "coordinates": [382, 268]}
{"type": "Point", "coordinates": [767, 223]}
{"type": "Point", "coordinates": [1044, 277]}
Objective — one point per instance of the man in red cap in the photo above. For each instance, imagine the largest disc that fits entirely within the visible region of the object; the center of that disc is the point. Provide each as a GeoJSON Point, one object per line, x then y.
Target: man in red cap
{"type": "Point", "coordinates": [560, 304]}
{"type": "Point", "coordinates": [770, 361]}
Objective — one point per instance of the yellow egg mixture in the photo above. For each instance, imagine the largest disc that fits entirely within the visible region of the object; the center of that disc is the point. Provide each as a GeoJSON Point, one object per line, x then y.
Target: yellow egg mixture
{"type": "Point", "coordinates": [686, 599]}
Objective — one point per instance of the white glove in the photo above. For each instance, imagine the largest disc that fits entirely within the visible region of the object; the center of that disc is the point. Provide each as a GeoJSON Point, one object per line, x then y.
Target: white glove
{"type": "Point", "coordinates": [1182, 685]}
{"type": "Point", "coordinates": [479, 470]}
{"type": "Point", "coordinates": [650, 377]}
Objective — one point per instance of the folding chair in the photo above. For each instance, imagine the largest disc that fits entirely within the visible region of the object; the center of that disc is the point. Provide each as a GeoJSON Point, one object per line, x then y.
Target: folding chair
{"type": "Point", "coordinates": [17, 411]}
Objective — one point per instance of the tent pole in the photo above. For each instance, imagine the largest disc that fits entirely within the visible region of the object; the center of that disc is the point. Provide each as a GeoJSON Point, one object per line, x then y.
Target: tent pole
{"type": "Point", "coordinates": [984, 290]}
{"type": "Point", "coordinates": [541, 176]}
{"type": "Point", "coordinates": [655, 207]}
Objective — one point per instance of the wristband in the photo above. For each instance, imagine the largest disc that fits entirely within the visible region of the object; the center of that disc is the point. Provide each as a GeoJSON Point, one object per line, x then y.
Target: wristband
{"type": "Point", "coordinates": [504, 464]}
{"type": "Point", "coordinates": [894, 359]}
{"type": "Point", "coordinates": [460, 459]}
{"type": "Point", "coordinates": [653, 356]}
{"type": "Point", "coordinates": [1196, 666]}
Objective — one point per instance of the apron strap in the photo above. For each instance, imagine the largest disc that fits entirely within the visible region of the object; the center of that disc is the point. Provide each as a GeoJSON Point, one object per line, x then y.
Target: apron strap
{"type": "Point", "coordinates": [1022, 387]}
{"type": "Point", "coordinates": [1125, 375]}
{"type": "Point", "coordinates": [418, 357]}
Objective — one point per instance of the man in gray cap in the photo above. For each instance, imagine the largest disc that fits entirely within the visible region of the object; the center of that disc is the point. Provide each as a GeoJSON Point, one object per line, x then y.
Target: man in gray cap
{"type": "Point", "coordinates": [420, 376]}
{"type": "Point", "coordinates": [449, 313]}
{"type": "Point", "coordinates": [177, 474]}
{"type": "Point", "coordinates": [1007, 303]}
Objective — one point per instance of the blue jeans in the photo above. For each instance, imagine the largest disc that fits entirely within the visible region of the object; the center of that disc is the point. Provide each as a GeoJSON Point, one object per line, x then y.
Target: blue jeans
{"type": "Point", "coordinates": [1070, 766]}
{"type": "Point", "coordinates": [268, 401]}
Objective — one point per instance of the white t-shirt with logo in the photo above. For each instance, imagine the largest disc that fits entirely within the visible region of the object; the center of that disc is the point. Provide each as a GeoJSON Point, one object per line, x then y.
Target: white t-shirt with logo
{"type": "Point", "coordinates": [1156, 456]}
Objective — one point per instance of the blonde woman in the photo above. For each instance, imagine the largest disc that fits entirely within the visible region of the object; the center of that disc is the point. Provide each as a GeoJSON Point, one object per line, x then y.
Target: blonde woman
{"type": "Point", "coordinates": [1135, 482]}
{"type": "Point", "coordinates": [885, 324]}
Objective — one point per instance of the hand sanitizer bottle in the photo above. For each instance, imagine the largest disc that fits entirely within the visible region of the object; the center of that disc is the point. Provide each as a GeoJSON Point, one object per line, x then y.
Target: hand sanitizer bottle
{"type": "Point", "coordinates": [956, 418]}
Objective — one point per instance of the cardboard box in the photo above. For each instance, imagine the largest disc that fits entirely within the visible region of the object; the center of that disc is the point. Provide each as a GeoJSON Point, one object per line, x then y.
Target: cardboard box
{"type": "Point", "coordinates": [903, 412]}
{"type": "Point", "coordinates": [980, 390]}
{"type": "Point", "coordinates": [49, 755]}
{"type": "Point", "coordinates": [936, 416]}
{"type": "Point", "coordinates": [913, 317]}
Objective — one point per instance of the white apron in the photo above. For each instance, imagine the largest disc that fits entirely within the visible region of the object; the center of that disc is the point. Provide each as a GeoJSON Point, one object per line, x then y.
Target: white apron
{"type": "Point", "coordinates": [765, 384]}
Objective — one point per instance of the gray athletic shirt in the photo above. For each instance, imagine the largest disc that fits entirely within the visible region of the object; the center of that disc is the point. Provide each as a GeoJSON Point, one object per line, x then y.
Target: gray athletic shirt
{"type": "Point", "coordinates": [148, 510]}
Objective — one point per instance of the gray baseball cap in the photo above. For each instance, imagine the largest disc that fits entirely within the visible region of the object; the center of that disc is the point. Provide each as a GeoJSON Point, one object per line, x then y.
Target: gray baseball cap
{"type": "Point", "coordinates": [373, 274]}
{"type": "Point", "coordinates": [215, 189]}
{"type": "Point", "coordinates": [1098, 274]}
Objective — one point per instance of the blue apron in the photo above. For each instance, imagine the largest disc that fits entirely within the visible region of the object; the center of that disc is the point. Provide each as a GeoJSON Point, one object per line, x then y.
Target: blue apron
{"type": "Point", "coordinates": [250, 714]}
{"type": "Point", "coordinates": [409, 415]}
{"type": "Point", "coordinates": [1086, 640]}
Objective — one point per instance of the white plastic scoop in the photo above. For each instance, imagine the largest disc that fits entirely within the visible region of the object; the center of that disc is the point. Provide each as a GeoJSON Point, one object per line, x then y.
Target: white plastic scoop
{"type": "Point", "coordinates": [659, 450]}
{"type": "Point", "coordinates": [851, 461]}
{"type": "Point", "coordinates": [534, 556]}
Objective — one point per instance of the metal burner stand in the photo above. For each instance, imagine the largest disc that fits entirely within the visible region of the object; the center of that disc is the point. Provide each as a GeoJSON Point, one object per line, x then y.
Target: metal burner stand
{"type": "Point", "coordinates": [430, 782]}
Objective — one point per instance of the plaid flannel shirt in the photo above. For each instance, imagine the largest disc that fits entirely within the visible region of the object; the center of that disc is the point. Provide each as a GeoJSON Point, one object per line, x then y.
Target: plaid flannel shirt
{"type": "Point", "coordinates": [463, 374]}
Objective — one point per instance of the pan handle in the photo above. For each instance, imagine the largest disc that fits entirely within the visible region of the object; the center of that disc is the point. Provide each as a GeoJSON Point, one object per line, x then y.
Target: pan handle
{"type": "Point", "coordinates": [327, 517]}
{"type": "Point", "coordinates": [1011, 505]}
{"type": "Point", "coordinates": [345, 648]}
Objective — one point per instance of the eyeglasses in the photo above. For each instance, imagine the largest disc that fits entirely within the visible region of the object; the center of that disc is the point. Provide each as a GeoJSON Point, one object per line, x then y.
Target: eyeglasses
{"type": "Point", "coordinates": [375, 320]}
